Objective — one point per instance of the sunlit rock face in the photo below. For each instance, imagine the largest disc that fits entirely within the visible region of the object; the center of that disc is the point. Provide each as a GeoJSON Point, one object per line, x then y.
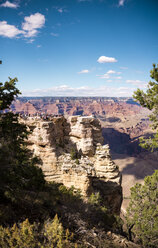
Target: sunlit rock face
{"type": "Point", "coordinates": [85, 133]}
{"type": "Point", "coordinates": [71, 152]}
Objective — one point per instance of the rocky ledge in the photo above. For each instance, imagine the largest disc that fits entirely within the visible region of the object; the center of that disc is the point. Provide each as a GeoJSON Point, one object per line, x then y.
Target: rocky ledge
{"type": "Point", "coordinates": [71, 152]}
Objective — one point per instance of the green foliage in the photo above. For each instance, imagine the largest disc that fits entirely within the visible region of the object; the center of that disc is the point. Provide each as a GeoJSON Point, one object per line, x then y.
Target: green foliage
{"type": "Point", "coordinates": [8, 92]}
{"type": "Point", "coordinates": [77, 161]}
{"type": "Point", "coordinates": [54, 233]}
{"type": "Point", "coordinates": [26, 235]}
{"type": "Point", "coordinates": [40, 138]}
{"type": "Point", "coordinates": [20, 236]}
{"type": "Point", "coordinates": [150, 100]}
{"type": "Point", "coordinates": [142, 212]}
{"type": "Point", "coordinates": [73, 154]}
{"type": "Point", "coordinates": [18, 173]}
{"type": "Point", "coordinates": [95, 199]}
{"type": "Point", "coordinates": [69, 193]}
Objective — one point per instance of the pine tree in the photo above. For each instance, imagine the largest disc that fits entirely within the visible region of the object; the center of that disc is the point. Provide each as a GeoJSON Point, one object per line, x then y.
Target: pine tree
{"type": "Point", "coordinates": [17, 170]}
{"type": "Point", "coordinates": [142, 213]}
{"type": "Point", "coordinates": [149, 100]}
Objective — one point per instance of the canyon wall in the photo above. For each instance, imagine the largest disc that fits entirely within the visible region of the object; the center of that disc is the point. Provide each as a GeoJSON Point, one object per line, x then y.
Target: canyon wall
{"type": "Point", "coordinates": [71, 152]}
{"type": "Point", "coordinates": [122, 120]}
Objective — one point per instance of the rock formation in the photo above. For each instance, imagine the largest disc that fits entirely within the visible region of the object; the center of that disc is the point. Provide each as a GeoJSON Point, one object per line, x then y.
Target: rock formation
{"type": "Point", "coordinates": [71, 152]}
{"type": "Point", "coordinates": [123, 121]}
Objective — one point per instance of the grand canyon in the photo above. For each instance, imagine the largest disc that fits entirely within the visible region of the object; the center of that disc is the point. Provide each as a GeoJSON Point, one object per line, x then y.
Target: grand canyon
{"type": "Point", "coordinates": [122, 120]}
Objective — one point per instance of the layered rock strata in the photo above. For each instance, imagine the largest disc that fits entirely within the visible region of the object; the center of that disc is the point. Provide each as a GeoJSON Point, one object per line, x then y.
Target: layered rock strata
{"type": "Point", "coordinates": [71, 152]}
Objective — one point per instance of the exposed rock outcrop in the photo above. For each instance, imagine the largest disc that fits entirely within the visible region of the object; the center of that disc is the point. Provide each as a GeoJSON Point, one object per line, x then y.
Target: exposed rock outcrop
{"type": "Point", "coordinates": [71, 152]}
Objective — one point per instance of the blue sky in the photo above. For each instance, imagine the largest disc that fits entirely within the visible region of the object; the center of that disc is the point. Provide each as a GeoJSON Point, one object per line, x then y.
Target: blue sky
{"type": "Point", "coordinates": [78, 47]}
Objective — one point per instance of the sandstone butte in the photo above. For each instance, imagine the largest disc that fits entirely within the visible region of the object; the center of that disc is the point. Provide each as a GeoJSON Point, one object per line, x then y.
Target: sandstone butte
{"type": "Point", "coordinates": [54, 141]}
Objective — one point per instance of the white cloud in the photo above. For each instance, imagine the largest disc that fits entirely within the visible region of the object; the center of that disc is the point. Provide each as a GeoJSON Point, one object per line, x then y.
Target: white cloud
{"type": "Point", "coordinates": [31, 33]}
{"type": "Point", "coordinates": [32, 23]}
{"type": "Point", "coordinates": [29, 27]}
{"type": "Point", "coordinates": [83, 71]}
{"type": "Point", "coordinates": [104, 59]}
{"type": "Point", "coordinates": [60, 10]}
{"type": "Point", "coordinates": [111, 72]}
{"type": "Point", "coordinates": [65, 90]}
{"type": "Point", "coordinates": [38, 46]}
{"type": "Point", "coordinates": [9, 31]}
{"type": "Point", "coordinates": [8, 4]}
{"type": "Point", "coordinates": [137, 83]}
{"type": "Point", "coordinates": [121, 2]}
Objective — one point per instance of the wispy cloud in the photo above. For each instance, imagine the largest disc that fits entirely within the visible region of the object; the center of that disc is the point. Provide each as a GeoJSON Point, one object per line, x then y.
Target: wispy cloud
{"type": "Point", "coordinates": [8, 4]}
{"type": "Point", "coordinates": [104, 76]}
{"type": "Point", "coordinates": [65, 90]}
{"type": "Point", "coordinates": [137, 83]}
{"type": "Point", "coordinates": [110, 74]}
{"type": "Point", "coordinates": [60, 9]}
{"type": "Point", "coordinates": [83, 71]}
{"type": "Point", "coordinates": [55, 34]}
{"type": "Point", "coordinates": [104, 59]}
{"type": "Point", "coordinates": [121, 2]}
{"type": "Point", "coordinates": [30, 40]}
{"type": "Point", "coordinates": [29, 29]}
{"type": "Point", "coordinates": [118, 77]}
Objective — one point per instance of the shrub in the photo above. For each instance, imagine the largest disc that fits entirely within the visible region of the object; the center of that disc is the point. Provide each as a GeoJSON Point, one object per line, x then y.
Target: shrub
{"type": "Point", "coordinates": [77, 161]}
{"type": "Point", "coordinates": [95, 199]}
{"type": "Point", "coordinates": [26, 235]}
{"type": "Point", "coordinates": [18, 237]}
{"type": "Point", "coordinates": [73, 154]}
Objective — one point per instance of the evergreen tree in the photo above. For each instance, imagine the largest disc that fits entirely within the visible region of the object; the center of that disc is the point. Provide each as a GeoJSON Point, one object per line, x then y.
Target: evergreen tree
{"type": "Point", "coordinates": [17, 170]}
{"type": "Point", "coordinates": [142, 213]}
{"type": "Point", "coordinates": [150, 100]}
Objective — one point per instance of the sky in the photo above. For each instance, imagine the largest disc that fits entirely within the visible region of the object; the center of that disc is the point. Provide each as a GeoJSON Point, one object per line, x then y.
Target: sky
{"type": "Point", "coordinates": [78, 47]}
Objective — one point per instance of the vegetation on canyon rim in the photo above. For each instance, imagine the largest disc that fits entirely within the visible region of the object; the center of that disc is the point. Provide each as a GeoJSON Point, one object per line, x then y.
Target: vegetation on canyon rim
{"type": "Point", "coordinates": [142, 213]}
{"type": "Point", "coordinates": [25, 194]}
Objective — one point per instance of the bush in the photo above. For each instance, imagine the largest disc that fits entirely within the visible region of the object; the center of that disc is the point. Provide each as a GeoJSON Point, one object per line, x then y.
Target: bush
{"type": "Point", "coordinates": [73, 154]}
{"type": "Point", "coordinates": [20, 237]}
{"type": "Point", "coordinates": [77, 161]}
{"type": "Point", "coordinates": [95, 199]}
{"type": "Point", "coordinates": [27, 235]}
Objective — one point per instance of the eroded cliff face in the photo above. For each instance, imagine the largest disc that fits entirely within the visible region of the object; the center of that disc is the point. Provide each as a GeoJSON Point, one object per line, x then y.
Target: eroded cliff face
{"type": "Point", "coordinates": [71, 152]}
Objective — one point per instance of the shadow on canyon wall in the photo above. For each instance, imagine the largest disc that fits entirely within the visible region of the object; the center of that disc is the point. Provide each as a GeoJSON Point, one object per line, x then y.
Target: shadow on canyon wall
{"type": "Point", "coordinates": [121, 142]}
{"type": "Point", "coordinates": [140, 169]}
{"type": "Point", "coordinates": [110, 192]}
{"type": "Point", "coordinates": [138, 166]}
